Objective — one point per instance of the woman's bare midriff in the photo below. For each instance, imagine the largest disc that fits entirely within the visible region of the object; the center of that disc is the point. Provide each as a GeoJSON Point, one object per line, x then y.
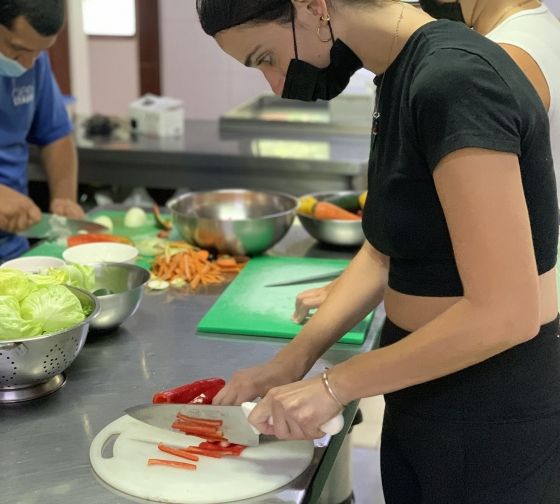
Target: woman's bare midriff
{"type": "Point", "coordinates": [412, 312]}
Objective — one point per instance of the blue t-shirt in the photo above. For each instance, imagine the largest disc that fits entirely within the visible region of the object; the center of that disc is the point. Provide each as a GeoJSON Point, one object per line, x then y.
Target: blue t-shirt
{"type": "Point", "coordinates": [31, 111]}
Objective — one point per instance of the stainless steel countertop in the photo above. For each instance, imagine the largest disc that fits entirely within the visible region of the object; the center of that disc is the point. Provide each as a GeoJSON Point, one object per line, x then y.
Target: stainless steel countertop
{"type": "Point", "coordinates": [204, 157]}
{"type": "Point", "coordinates": [45, 443]}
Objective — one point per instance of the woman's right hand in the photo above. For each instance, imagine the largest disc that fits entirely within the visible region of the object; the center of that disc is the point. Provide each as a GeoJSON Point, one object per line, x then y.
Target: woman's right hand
{"type": "Point", "coordinates": [309, 300]}
{"type": "Point", "coordinates": [250, 383]}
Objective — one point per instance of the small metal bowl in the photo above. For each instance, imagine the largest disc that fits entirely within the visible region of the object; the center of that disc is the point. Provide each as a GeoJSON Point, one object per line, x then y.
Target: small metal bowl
{"type": "Point", "coordinates": [236, 221]}
{"type": "Point", "coordinates": [119, 288]}
{"type": "Point", "coordinates": [342, 233]}
{"type": "Point", "coordinates": [33, 367]}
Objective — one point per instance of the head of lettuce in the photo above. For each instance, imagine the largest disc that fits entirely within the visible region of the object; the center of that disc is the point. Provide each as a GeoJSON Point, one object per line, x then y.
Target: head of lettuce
{"type": "Point", "coordinates": [12, 325]}
{"type": "Point", "coordinates": [29, 309]}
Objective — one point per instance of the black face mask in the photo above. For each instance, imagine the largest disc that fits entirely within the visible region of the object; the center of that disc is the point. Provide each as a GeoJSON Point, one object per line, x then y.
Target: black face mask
{"type": "Point", "coordinates": [309, 83]}
{"type": "Point", "coordinates": [439, 10]}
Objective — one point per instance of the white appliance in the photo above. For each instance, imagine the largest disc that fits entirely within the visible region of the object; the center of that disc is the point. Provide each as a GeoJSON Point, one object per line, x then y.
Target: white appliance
{"type": "Point", "coordinates": [157, 116]}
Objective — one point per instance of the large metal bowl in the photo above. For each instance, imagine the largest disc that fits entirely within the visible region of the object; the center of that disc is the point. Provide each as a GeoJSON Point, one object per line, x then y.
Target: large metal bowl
{"type": "Point", "coordinates": [342, 233]}
{"type": "Point", "coordinates": [236, 221]}
{"type": "Point", "coordinates": [119, 288]}
{"type": "Point", "coordinates": [33, 367]}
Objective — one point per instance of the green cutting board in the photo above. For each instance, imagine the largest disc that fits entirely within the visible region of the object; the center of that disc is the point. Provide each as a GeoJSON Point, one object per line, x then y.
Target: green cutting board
{"type": "Point", "coordinates": [249, 307]}
{"type": "Point", "coordinates": [148, 230]}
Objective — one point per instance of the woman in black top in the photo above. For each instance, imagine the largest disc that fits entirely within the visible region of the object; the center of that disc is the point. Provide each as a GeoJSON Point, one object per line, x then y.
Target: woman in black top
{"type": "Point", "coordinates": [462, 231]}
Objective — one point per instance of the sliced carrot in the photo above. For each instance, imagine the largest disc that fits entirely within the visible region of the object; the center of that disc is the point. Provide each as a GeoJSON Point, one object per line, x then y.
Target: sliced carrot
{"type": "Point", "coordinates": [203, 254]}
{"type": "Point", "coordinates": [172, 463]}
{"type": "Point", "coordinates": [226, 262]}
{"type": "Point", "coordinates": [195, 282]}
{"type": "Point", "coordinates": [177, 452]}
{"type": "Point", "coordinates": [194, 266]}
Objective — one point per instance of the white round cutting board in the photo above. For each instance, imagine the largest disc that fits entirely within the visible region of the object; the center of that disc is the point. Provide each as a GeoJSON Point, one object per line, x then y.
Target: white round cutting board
{"type": "Point", "coordinates": [257, 471]}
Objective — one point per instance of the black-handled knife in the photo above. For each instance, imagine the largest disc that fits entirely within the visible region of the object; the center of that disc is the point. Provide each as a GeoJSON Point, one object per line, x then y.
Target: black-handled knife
{"type": "Point", "coordinates": [325, 277]}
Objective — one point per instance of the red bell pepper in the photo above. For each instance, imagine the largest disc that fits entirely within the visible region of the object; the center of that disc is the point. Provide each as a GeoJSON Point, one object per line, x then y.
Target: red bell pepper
{"type": "Point", "coordinates": [81, 239]}
{"type": "Point", "coordinates": [209, 394]}
{"type": "Point", "coordinates": [198, 392]}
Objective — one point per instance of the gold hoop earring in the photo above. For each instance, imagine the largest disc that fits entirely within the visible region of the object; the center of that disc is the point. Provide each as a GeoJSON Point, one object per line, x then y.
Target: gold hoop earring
{"type": "Point", "coordinates": [325, 19]}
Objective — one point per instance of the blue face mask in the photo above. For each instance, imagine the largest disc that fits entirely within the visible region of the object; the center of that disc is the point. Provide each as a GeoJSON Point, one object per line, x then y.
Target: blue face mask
{"type": "Point", "coordinates": [10, 67]}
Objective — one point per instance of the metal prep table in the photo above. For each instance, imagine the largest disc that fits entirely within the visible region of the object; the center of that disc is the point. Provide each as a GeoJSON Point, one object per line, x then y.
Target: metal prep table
{"type": "Point", "coordinates": [45, 443]}
{"type": "Point", "coordinates": [208, 156]}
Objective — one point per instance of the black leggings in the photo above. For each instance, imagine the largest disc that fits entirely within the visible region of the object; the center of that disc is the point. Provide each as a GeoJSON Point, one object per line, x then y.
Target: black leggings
{"type": "Point", "coordinates": [489, 434]}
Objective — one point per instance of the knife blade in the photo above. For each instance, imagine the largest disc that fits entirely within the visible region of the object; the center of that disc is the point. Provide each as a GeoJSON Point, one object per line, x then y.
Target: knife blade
{"type": "Point", "coordinates": [326, 277]}
{"type": "Point", "coordinates": [236, 427]}
{"type": "Point", "coordinates": [54, 226]}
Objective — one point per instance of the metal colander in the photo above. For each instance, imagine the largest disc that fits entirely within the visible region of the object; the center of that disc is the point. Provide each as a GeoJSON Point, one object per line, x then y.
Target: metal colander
{"type": "Point", "coordinates": [30, 362]}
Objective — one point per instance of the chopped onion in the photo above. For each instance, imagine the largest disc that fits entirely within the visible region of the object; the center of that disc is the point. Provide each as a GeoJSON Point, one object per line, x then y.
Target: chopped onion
{"type": "Point", "coordinates": [135, 217]}
{"type": "Point", "coordinates": [103, 220]}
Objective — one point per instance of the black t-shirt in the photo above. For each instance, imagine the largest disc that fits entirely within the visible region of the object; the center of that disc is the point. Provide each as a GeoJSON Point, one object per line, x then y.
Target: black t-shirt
{"type": "Point", "coordinates": [448, 89]}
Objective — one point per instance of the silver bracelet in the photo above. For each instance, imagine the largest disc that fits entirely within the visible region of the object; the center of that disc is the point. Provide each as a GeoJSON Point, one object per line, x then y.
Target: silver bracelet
{"type": "Point", "coordinates": [325, 379]}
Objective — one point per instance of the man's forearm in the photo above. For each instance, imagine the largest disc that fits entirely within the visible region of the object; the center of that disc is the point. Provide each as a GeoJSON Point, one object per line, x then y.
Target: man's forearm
{"type": "Point", "coordinates": [60, 160]}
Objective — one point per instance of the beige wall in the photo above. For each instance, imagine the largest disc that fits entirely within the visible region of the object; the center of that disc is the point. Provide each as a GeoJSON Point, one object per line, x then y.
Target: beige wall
{"type": "Point", "coordinates": [195, 70]}
{"type": "Point", "coordinates": [554, 6]}
{"type": "Point", "coordinates": [114, 76]}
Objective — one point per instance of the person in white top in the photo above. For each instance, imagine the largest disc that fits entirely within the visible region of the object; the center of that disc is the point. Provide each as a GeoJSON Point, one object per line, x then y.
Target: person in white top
{"type": "Point", "coordinates": [530, 34]}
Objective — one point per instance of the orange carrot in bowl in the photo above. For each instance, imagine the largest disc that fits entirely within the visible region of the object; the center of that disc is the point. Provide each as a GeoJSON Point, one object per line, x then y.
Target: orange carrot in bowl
{"type": "Point", "coordinates": [328, 211]}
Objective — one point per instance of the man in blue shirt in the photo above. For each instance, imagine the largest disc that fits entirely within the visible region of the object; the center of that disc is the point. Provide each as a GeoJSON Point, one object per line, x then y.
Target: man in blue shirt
{"type": "Point", "coordinates": [32, 111]}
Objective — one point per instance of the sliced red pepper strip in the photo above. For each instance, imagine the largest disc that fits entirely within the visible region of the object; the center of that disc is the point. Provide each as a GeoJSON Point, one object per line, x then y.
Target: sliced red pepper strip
{"type": "Point", "coordinates": [186, 393]}
{"type": "Point", "coordinates": [206, 453]}
{"type": "Point", "coordinates": [234, 449]}
{"type": "Point", "coordinates": [197, 429]}
{"type": "Point", "coordinates": [200, 421]}
{"type": "Point", "coordinates": [81, 239]}
{"type": "Point", "coordinates": [207, 445]}
{"type": "Point", "coordinates": [177, 452]}
{"type": "Point", "coordinates": [172, 463]}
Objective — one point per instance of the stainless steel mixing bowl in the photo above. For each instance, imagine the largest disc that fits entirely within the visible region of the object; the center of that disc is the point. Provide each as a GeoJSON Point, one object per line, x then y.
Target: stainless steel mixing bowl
{"type": "Point", "coordinates": [236, 221]}
{"type": "Point", "coordinates": [33, 367]}
{"type": "Point", "coordinates": [119, 288]}
{"type": "Point", "coordinates": [333, 232]}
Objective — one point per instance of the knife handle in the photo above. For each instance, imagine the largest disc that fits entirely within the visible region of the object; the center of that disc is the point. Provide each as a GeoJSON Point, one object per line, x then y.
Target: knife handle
{"type": "Point", "coordinates": [332, 427]}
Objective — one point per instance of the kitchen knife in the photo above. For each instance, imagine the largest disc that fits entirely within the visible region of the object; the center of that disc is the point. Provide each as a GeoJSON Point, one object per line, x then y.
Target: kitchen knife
{"type": "Point", "coordinates": [54, 226]}
{"type": "Point", "coordinates": [236, 427]}
{"type": "Point", "coordinates": [326, 277]}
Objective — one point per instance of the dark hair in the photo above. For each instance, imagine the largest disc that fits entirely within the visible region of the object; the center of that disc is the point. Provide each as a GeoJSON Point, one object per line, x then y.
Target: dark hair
{"type": "Point", "coordinates": [46, 17]}
{"type": "Point", "coordinates": [218, 15]}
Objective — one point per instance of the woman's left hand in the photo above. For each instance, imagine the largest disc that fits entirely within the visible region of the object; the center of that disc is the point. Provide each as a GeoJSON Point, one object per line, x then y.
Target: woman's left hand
{"type": "Point", "coordinates": [298, 410]}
